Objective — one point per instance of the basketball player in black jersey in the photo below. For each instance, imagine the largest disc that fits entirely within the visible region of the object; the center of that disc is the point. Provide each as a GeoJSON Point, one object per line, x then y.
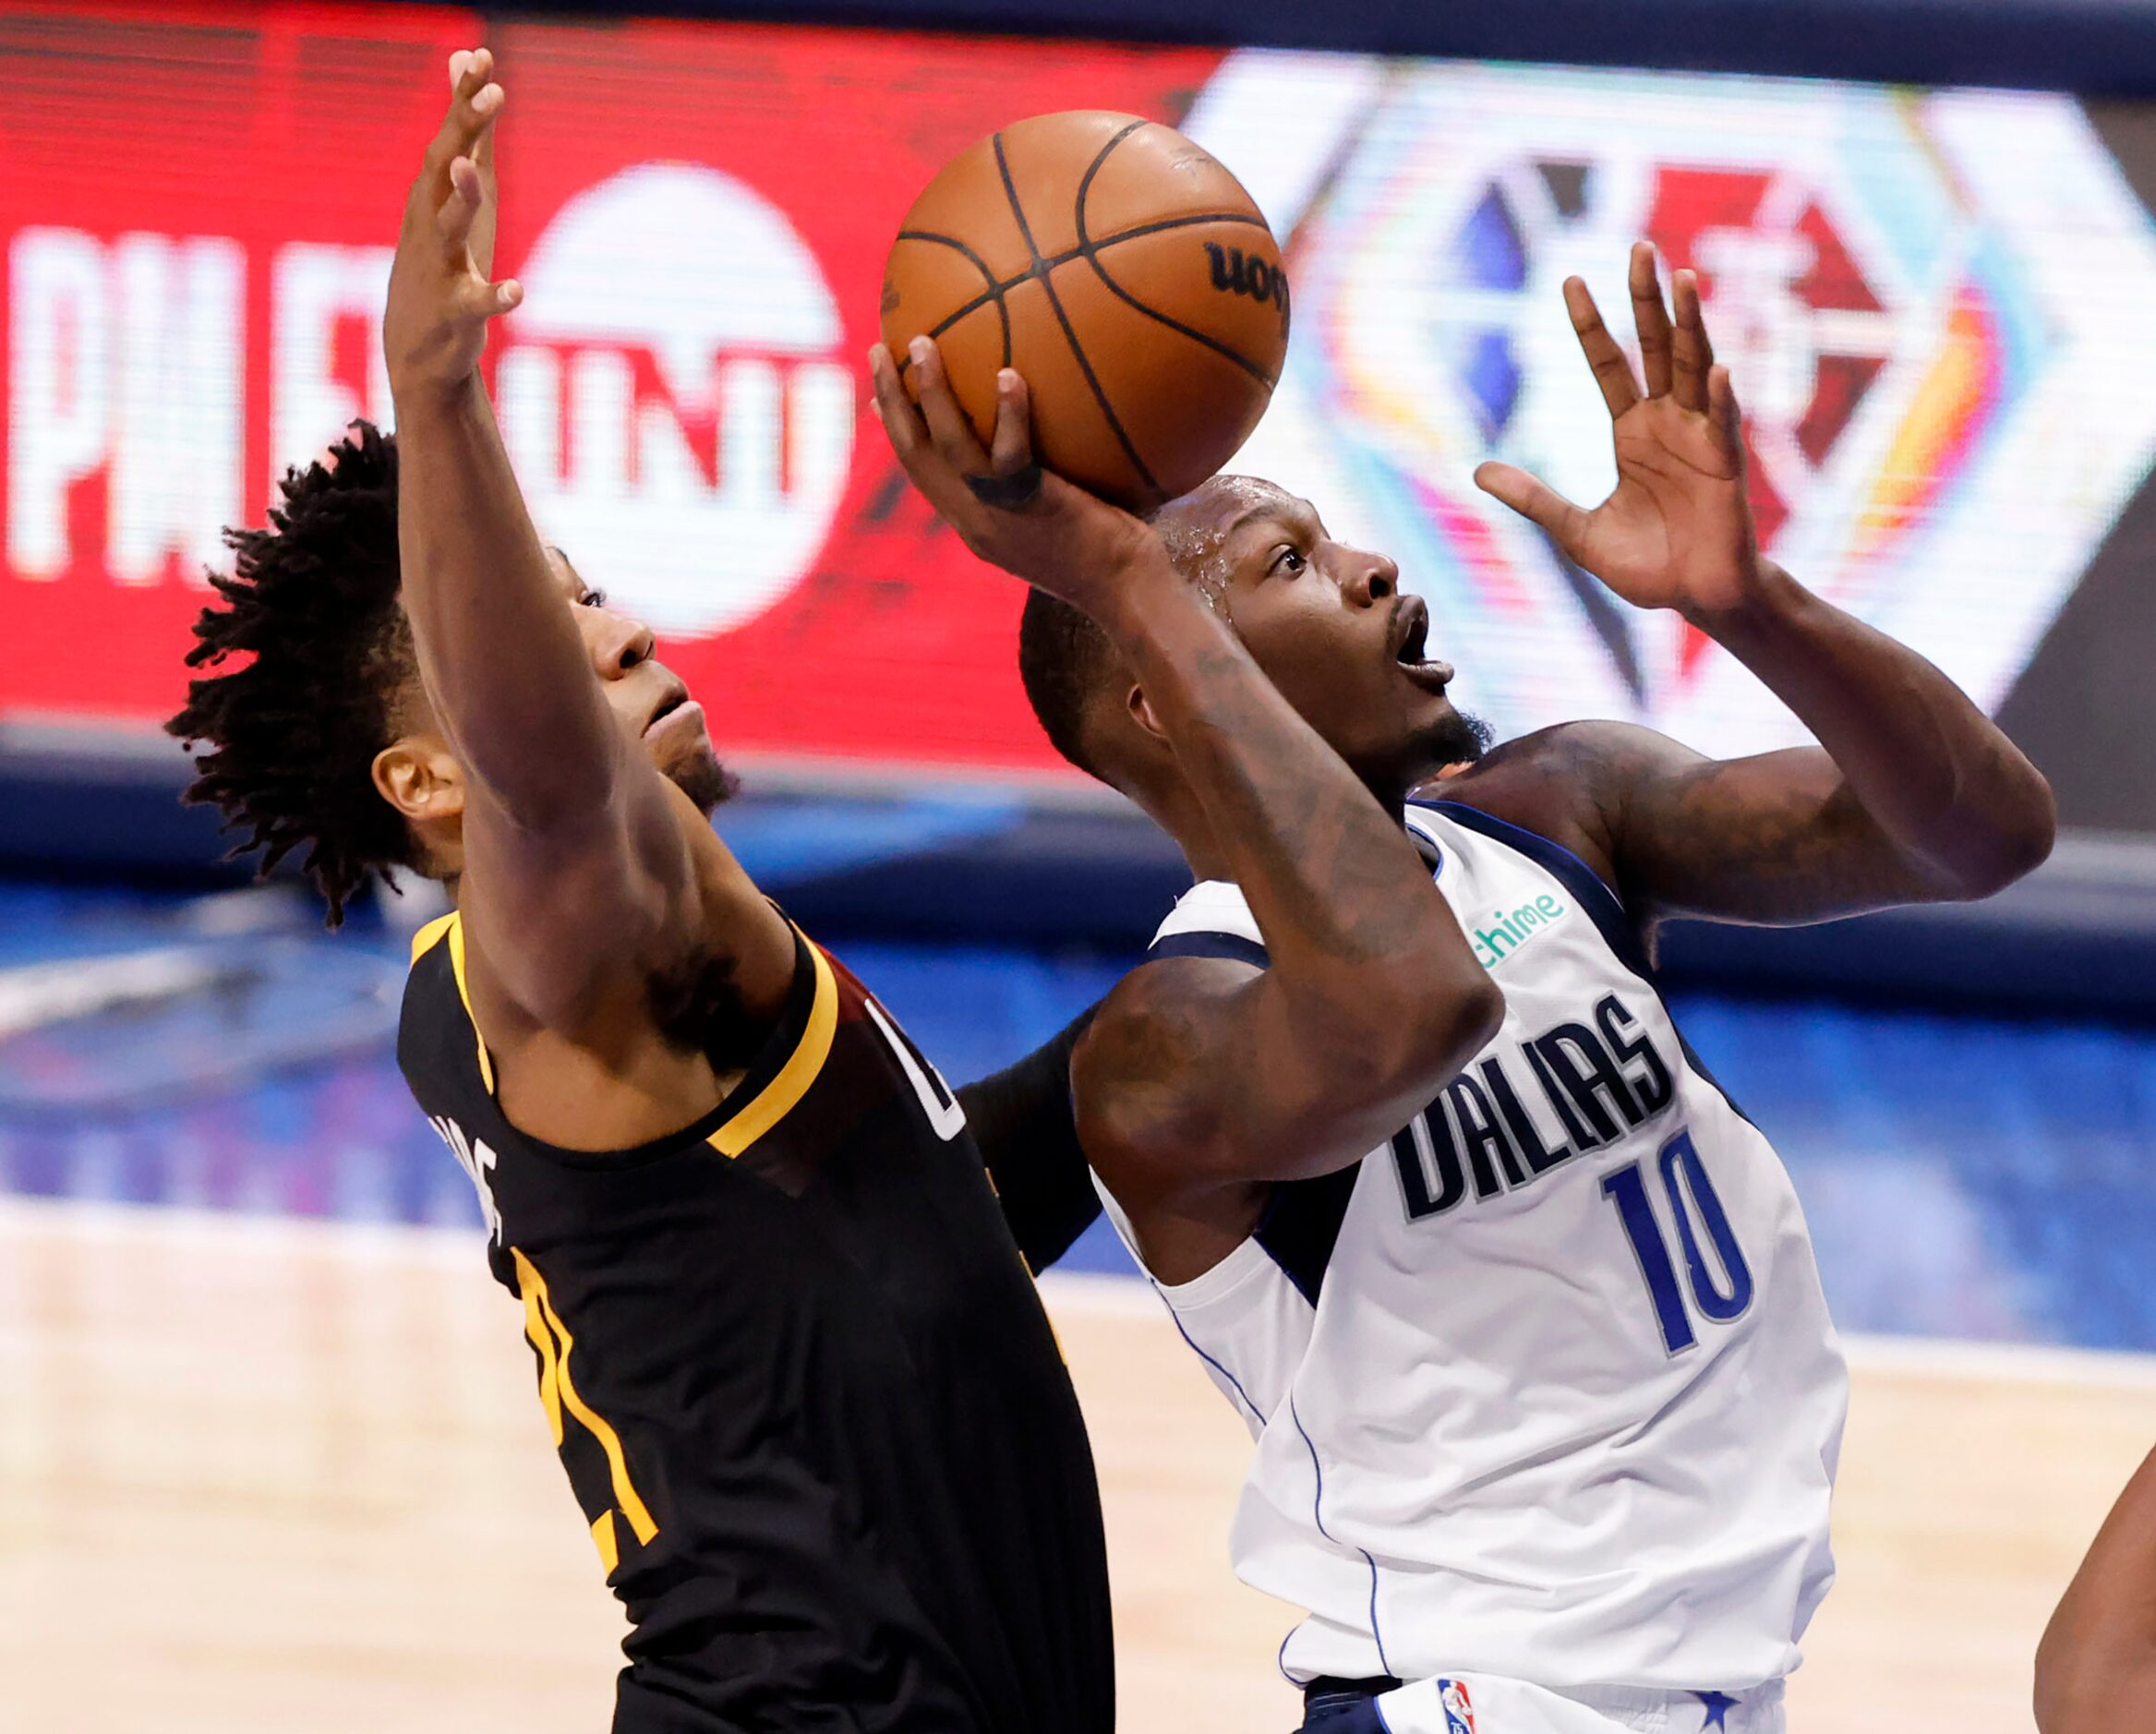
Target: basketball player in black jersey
{"type": "Point", "coordinates": [803, 1389]}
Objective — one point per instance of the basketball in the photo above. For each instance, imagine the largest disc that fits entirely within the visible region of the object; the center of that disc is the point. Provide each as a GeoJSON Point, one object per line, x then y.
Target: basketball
{"type": "Point", "coordinates": [1122, 271]}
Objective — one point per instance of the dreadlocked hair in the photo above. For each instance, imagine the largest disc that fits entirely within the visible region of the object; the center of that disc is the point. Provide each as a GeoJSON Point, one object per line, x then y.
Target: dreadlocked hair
{"type": "Point", "coordinates": [304, 664]}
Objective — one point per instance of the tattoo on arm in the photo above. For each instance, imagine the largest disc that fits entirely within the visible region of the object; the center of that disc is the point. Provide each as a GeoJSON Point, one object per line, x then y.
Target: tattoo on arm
{"type": "Point", "coordinates": [1778, 839]}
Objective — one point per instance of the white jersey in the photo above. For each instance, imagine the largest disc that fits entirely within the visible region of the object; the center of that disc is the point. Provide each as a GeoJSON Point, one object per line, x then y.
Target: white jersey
{"type": "Point", "coordinates": [1544, 1388]}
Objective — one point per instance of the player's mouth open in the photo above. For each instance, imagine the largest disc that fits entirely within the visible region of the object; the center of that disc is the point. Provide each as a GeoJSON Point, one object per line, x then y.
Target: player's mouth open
{"type": "Point", "coordinates": [1411, 633]}
{"type": "Point", "coordinates": [677, 710]}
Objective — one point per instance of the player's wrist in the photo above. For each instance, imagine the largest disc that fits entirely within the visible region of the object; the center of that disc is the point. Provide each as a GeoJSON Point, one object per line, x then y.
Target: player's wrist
{"type": "Point", "coordinates": [432, 385]}
{"type": "Point", "coordinates": [1145, 594]}
{"type": "Point", "coordinates": [1762, 597]}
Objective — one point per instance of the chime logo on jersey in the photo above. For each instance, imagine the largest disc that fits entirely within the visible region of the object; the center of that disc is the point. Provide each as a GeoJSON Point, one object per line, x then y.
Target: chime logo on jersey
{"type": "Point", "coordinates": [686, 429]}
{"type": "Point", "coordinates": [1459, 1707]}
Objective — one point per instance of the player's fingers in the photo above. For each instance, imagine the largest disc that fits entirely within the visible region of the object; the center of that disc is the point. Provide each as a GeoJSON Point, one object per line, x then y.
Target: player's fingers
{"type": "Point", "coordinates": [1612, 371]}
{"type": "Point", "coordinates": [1534, 499]}
{"type": "Point", "coordinates": [956, 442]}
{"type": "Point", "coordinates": [901, 420]}
{"type": "Point", "coordinates": [474, 104]}
{"type": "Point", "coordinates": [497, 298]}
{"type": "Point", "coordinates": [1012, 448]}
{"type": "Point", "coordinates": [452, 222]}
{"type": "Point", "coordinates": [1692, 353]}
{"type": "Point", "coordinates": [1727, 418]}
{"type": "Point", "coordinates": [1650, 318]}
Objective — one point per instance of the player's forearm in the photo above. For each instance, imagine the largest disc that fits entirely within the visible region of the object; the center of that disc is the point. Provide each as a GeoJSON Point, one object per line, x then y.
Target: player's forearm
{"type": "Point", "coordinates": [2096, 1668]}
{"type": "Point", "coordinates": [1355, 928]}
{"type": "Point", "coordinates": [1945, 785]}
{"type": "Point", "coordinates": [503, 661]}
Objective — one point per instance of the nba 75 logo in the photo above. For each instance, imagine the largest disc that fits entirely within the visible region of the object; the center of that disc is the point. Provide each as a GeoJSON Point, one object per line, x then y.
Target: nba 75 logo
{"type": "Point", "coordinates": [1459, 1709]}
{"type": "Point", "coordinates": [1942, 420]}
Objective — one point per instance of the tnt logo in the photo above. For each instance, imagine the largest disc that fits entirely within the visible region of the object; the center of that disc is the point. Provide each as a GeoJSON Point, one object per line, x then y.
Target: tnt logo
{"type": "Point", "coordinates": [674, 397]}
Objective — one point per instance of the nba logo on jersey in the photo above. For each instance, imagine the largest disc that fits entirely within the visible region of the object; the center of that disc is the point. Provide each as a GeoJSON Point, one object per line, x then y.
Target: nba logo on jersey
{"type": "Point", "coordinates": [1459, 1709]}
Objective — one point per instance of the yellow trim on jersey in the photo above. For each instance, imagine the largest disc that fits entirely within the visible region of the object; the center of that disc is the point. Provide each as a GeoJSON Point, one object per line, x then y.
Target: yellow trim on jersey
{"type": "Point", "coordinates": [452, 927]}
{"type": "Point", "coordinates": [777, 1098]}
{"type": "Point", "coordinates": [542, 1340]}
{"type": "Point", "coordinates": [532, 1287]}
{"type": "Point", "coordinates": [456, 964]}
{"type": "Point", "coordinates": [609, 1544]}
{"type": "Point", "coordinates": [431, 935]}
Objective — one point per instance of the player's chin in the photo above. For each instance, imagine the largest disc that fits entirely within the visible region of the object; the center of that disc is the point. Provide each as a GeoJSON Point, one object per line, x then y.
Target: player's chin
{"type": "Point", "coordinates": [693, 767]}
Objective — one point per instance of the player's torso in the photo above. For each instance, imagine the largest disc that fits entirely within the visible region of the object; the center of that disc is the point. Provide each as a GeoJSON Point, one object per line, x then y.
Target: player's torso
{"type": "Point", "coordinates": [801, 1384]}
{"type": "Point", "coordinates": [1547, 1387]}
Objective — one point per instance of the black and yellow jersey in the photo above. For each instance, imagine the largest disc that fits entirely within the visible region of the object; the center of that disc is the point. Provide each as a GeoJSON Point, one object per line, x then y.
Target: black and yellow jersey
{"type": "Point", "coordinates": [802, 1383]}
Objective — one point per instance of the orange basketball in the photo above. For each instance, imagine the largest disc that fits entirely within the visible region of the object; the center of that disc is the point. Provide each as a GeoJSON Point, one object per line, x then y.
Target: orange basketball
{"type": "Point", "coordinates": [1122, 271]}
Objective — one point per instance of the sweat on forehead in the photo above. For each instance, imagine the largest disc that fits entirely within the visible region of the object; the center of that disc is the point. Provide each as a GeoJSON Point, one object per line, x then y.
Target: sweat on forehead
{"type": "Point", "coordinates": [1194, 527]}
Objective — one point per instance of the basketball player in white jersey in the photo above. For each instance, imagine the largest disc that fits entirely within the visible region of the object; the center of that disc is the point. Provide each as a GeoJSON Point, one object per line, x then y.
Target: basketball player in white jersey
{"type": "Point", "coordinates": [1519, 1309]}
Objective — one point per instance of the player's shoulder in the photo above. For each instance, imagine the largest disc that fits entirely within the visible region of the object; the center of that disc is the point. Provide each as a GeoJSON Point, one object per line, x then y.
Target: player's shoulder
{"type": "Point", "coordinates": [1564, 762]}
{"type": "Point", "coordinates": [1565, 782]}
{"type": "Point", "coordinates": [1158, 1023]}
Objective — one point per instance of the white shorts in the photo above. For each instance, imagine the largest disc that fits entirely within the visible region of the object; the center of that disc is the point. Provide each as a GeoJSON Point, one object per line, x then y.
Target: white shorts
{"type": "Point", "coordinates": [1489, 1703]}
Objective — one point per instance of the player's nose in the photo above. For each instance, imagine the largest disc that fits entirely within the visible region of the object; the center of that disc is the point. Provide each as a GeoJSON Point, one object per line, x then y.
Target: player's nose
{"type": "Point", "coordinates": [1370, 577]}
{"type": "Point", "coordinates": [618, 642]}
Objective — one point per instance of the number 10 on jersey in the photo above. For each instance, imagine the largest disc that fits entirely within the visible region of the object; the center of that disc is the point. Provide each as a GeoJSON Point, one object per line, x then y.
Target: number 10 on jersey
{"type": "Point", "coordinates": [1719, 1294]}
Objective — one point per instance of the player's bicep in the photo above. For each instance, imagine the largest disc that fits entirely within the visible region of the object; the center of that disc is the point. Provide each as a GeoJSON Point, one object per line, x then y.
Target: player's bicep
{"type": "Point", "coordinates": [1775, 838]}
{"type": "Point", "coordinates": [1194, 1075]}
{"type": "Point", "coordinates": [569, 926]}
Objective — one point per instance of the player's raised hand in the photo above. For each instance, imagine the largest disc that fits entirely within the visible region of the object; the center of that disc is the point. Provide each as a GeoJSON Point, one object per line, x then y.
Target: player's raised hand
{"type": "Point", "coordinates": [1677, 530]}
{"type": "Point", "coordinates": [1007, 508]}
{"type": "Point", "coordinates": [440, 293]}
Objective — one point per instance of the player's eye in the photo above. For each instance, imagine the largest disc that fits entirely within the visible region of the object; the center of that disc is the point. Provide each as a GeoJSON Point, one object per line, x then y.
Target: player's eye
{"type": "Point", "coordinates": [592, 599]}
{"type": "Point", "coordinates": [1289, 560]}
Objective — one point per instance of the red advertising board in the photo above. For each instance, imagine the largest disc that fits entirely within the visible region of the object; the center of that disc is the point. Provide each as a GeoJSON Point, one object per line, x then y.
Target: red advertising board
{"type": "Point", "coordinates": [197, 207]}
{"type": "Point", "coordinates": [1953, 436]}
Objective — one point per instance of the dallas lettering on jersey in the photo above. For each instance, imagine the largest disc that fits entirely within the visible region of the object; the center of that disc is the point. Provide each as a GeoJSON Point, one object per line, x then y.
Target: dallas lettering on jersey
{"type": "Point", "coordinates": [1598, 1082]}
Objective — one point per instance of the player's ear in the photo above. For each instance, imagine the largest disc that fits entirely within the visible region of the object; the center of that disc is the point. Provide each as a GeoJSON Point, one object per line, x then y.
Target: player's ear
{"type": "Point", "coordinates": [419, 776]}
{"type": "Point", "coordinates": [1141, 713]}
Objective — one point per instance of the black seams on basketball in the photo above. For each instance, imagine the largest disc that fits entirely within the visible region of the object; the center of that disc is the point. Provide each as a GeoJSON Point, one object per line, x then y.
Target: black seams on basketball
{"type": "Point", "coordinates": [1122, 271]}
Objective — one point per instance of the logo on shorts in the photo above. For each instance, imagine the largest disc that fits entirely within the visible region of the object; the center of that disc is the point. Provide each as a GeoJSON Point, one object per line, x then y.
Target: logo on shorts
{"type": "Point", "coordinates": [675, 395]}
{"type": "Point", "coordinates": [1459, 1708]}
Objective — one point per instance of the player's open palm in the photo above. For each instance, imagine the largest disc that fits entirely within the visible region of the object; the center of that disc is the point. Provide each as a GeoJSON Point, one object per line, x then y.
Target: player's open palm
{"type": "Point", "coordinates": [1677, 530]}
{"type": "Point", "coordinates": [440, 294]}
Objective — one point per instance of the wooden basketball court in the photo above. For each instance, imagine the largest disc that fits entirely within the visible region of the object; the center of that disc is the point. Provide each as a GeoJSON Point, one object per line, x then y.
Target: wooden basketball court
{"type": "Point", "coordinates": [267, 1476]}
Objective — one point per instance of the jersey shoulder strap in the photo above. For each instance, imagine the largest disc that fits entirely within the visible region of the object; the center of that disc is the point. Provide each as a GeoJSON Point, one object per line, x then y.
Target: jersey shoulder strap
{"type": "Point", "coordinates": [438, 1045]}
{"type": "Point", "coordinates": [1211, 920]}
{"type": "Point", "coordinates": [444, 1057]}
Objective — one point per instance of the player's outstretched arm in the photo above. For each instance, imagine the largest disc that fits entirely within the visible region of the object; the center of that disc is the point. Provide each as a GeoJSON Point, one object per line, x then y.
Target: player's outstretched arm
{"type": "Point", "coordinates": [1199, 1072]}
{"type": "Point", "coordinates": [585, 869]}
{"type": "Point", "coordinates": [1916, 795]}
{"type": "Point", "coordinates": [2096, 1668]}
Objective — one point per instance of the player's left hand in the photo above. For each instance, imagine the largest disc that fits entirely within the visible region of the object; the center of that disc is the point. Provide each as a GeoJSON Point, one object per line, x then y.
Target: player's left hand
{"type": "Point", "coordinates": [1677, 531]}
{"type": "Point", "coordinates": [440, 298]}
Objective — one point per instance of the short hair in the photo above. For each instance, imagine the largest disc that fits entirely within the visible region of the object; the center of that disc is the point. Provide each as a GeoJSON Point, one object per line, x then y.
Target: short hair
{"type": "Point", "coordinates": [1064, 660]}
{"type": "Point", "coordinates": [306, 662]}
